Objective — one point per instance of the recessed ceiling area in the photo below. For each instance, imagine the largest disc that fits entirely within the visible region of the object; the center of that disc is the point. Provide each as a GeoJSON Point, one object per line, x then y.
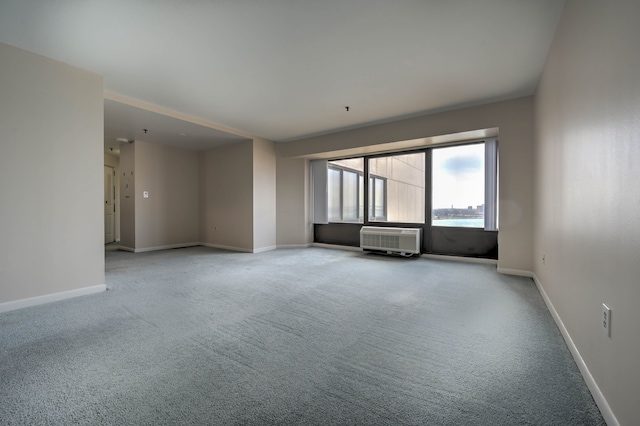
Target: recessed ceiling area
{"type": "Point", "coordinates": [128, 122]}
{"type": "Point", "coordinates": [284, 70]}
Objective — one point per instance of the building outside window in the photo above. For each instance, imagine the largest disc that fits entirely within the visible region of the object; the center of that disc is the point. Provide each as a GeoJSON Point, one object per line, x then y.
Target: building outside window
{"type": "Point", "coordinates": [396, 189]}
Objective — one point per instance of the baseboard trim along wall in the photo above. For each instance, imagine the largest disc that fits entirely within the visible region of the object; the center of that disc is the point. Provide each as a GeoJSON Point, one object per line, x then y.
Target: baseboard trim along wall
{"type": "Point", "coordinates": [598, 397]}
{"type": "Point", "coordinates": [263, 249]}
{"type": "Point", "coordinates": [517, 272]}
{"type": "Point", "coordinates": [167, 247]}
{"type": "Point", "coordinates": [294, 246]}
{"type": "Point", "coordinates": [48, 298]}
{"type": "Point", "coordinates": [223, 247]}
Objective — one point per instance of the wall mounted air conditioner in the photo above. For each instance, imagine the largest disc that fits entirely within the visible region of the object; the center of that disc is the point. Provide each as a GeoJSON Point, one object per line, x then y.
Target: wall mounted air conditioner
{"type": "Point", "coordinates": [402, 241]}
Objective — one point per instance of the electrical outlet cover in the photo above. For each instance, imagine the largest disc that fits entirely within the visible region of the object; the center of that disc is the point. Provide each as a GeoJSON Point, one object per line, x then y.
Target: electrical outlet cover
{"type": "Point", "coordinates": [606, 319]}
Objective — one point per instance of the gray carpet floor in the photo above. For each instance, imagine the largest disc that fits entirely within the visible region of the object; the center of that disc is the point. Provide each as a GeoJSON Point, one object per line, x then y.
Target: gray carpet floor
{"type": "Point", "coordinates": [310, 337]}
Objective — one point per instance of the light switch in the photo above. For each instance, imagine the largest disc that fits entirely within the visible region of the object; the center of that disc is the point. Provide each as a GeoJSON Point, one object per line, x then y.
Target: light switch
{"type": "Point", "coordinates": [145, 194]}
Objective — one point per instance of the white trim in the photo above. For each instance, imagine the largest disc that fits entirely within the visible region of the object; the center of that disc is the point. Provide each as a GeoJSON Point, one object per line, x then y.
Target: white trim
{"type": "Point", "coordinates": [48, 298]}
{"type": "Point", "coordinates": [460, 259]}
{"type": "Point", "coordinates": [170, 246]}
{"type": "Point", "coordinates": [518, 272]}
{"type": "Point", "coordinates": [337, 247]}
{"type": "Point", "coordinates": [223, 247]}
{"type": "Point", "coordinates": [112, 96]}
{"type": "Point", "coordinates": [598, 397]}
{"type": "Point", "coordinates": [294, 246]}
{"type": "Point", "coordinates": [263, 249]}
{"type": "Point", "coordinates": [125, 248]}
{"type": "Point", "coordinates": [596, 393]}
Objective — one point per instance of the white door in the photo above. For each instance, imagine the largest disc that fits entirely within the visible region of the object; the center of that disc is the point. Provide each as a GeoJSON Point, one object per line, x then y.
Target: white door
{"type": "Point", "coordinates": [109, 205]}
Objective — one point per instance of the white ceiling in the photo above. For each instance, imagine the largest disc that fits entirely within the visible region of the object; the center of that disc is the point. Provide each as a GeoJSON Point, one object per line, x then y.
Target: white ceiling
{"type": "Point", "coordinates": [286, 69]}
{"type": "Point", "coordinates": [123, 121]}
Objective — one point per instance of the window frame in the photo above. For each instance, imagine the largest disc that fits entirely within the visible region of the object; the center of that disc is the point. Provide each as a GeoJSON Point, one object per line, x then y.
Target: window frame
{"type": "Point", "coordinates": [372, 202]}
{"type": "Point", "coordinates": [485, 184]}
{"type": "Point", "coordinates": [342, 169]}
{"type": "Point", "coordinates": [457, 241]}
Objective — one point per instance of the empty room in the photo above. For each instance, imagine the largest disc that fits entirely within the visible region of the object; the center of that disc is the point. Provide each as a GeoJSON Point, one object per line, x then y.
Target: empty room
{"type": "Point", "coordinates": [343, 212]}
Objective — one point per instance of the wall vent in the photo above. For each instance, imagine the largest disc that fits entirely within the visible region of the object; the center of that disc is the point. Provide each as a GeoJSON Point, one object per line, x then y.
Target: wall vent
{"type": "Point", "coordinates": [402, 241]}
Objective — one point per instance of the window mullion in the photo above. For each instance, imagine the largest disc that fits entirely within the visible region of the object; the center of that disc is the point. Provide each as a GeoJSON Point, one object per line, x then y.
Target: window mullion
{"type": "Point", "coordinates": [341, 195]}
{"type": "Point", "coordinates": [367, 191]}
{"type": "Point", "coordinates": [428, 202]}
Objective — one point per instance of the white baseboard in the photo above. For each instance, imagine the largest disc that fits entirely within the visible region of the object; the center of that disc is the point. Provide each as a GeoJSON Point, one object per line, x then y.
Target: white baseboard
{"type": "Point", "coordinates": [263, 249]}
{"type": "Point", "coordinates": [598, 397]}
{"type": "Point", "coordinates": [167, 247]}
{"type": "Point", "coordinates": [294, 246]}
{"type": "Point", "coordinates": [230, 248]}
{"type": "Point", "coordinates": [125, 248]}
{"type": "Point", "coordinates": [518, 272]}
{"type": "Point", "coordinates": [48, 298]}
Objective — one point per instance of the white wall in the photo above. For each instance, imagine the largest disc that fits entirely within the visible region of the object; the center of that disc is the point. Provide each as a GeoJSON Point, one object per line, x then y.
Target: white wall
{"type": "Point", "coordinates": [264, 195]}
{"type": "Point", "coordinates": [293, 225]}
{"type": "Point", "coordinates": [169, 217]}
{"type": "Point", "coordinates": [238, 196]}
{"type": "Point", "coordinates": [226, 196]}
{"type": "Point", "coordinates": [515, 122]}
{"type": "Point", "coordinates": [51, 177]}
{"type": "Point", "coordinates": [587, 204]}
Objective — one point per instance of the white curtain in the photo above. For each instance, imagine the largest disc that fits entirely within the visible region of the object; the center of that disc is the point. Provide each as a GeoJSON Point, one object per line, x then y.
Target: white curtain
{"type": "Point", "coordinates": [491, 185]}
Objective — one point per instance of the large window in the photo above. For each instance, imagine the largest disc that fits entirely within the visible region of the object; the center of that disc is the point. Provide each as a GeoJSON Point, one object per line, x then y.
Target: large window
{"type": "Point", "coordinates": [454, 186]}
{"type": "Point", "coordinates": [396, 188]}
{"type": "Point", "coordinates": [458, 186]}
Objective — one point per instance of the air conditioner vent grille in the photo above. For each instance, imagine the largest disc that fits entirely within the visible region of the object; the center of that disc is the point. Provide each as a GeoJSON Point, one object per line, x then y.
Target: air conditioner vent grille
{"type": "Point", "coordinates": [382, 241]}
{"type": "Point", "coordinates": [390, 239]}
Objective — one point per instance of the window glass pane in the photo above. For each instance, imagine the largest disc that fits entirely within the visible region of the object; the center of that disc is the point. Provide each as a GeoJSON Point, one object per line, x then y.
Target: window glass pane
{"type": "Point", "coordinates": [346, 199]}
{"type": "Point", "coordinates": [371, 198]}
{"type": "Point", "coordinates": [378, 203]}
{"type": "Point", "coordinates": [399, 188]}
{"type": "Point", "coordinates": [349, 196]}
{"type": "Point", "coordinates": [334, 195]}
{"type": "Point", "coordinates": [458, 186]}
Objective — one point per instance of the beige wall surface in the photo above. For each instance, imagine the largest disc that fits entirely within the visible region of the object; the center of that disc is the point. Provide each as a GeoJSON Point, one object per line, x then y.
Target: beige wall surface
{"type": "Point", "coordinates": [169, 216]}
{"type": "Point", "coordinates": [51, 176]}
{"type": "Point", "coordinates": [264, 195]}
{"type": "Point", "coordinates": [226, 196]}
{"type": "Point", "coordinates": [514, 119]}
{"type": "Point", "coordinates": [127, 197]}
{"type": "Point", "coordinates": [293, 224]}
{"type": "Point", "coordinates": [587, 216]}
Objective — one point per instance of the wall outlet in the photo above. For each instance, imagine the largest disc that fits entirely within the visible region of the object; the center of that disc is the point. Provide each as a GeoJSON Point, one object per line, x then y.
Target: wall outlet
{"type": "Point", "coordinates": [606, 319]}
{"type": "Point", "coordinates": [145, 194]}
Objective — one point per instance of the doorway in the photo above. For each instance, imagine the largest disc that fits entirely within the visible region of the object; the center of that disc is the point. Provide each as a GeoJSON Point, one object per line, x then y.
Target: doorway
{"type": "Point", "coordinates": [109, 205]}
